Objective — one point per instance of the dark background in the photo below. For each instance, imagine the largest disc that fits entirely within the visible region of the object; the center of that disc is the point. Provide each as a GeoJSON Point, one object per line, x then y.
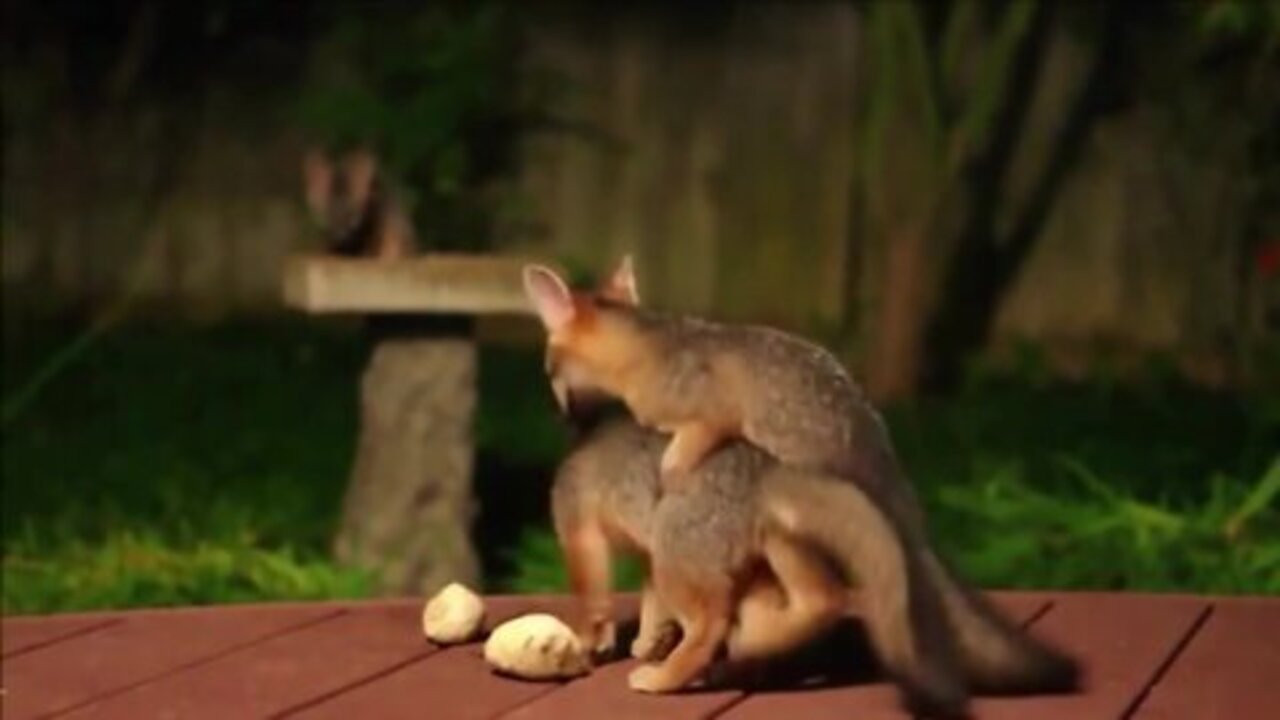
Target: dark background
{"type": "Point", "coordinates": [1046, 235]}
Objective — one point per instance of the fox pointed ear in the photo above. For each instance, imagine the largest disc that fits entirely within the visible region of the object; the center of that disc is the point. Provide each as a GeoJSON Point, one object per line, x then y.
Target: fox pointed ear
{"type": "Point", "coordinates": [550, 296]}
{"type": "Point", "coordinates": [361, 168]}
{"type": "Point", "coordinates": [621, 285]}
{"type": "Point", "coordinates": [317, 180]}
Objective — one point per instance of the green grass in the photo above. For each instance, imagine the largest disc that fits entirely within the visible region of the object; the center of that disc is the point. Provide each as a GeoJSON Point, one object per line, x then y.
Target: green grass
{"type": "Point", "coordinates": [178, 466]}
{"type": "Point", "coordinates": [183, 466]}
{"type": "Point", "coordinates": [1148, 486]}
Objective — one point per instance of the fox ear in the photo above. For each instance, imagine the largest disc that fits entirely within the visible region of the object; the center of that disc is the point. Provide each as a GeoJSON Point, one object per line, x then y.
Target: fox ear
{"type": "Point", "coordinates": [317, 180]}
{"type": "Point", "coordinates": [549, 295]}
{"type": "Point", "coordinates": [621, 285]}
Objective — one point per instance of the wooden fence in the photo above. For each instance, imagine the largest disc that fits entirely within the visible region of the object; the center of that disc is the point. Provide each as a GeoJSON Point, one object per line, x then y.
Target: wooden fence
{"type": "Point", "coordinates": [723, 157]}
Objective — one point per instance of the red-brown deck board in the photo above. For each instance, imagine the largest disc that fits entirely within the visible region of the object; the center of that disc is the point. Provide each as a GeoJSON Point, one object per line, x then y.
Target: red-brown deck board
{"type": "Point", "coordinates": [1231, 668]}
{"type": "Point", "coordinates": [1146, 656]}
{"type": "Point", "coordinates": [24, 634]}
{"type": "Point", "coordinates": [866, 700]}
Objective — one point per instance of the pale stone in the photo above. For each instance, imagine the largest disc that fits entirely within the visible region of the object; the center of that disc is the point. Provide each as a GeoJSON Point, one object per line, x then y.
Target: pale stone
{"type": "Point", "coordinates": [536, 647]}
{"type": "Point", "coordinates": [453, 616]}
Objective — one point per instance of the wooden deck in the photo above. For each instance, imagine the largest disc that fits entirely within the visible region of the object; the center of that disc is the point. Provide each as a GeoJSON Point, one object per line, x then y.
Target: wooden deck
{"type": "Point", "coordinates": [1147, 656]}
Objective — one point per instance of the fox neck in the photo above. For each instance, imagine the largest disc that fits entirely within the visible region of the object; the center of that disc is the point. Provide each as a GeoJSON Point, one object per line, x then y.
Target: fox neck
{"type": "Point", "coordinates": [627, 361]}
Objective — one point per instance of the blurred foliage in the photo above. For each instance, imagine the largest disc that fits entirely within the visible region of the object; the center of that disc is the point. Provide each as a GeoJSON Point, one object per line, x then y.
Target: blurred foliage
{"type": "Point", "coordinates": [175, 466]}
{"type": "Point", "coordinates": [432, 89]}
{"type": "Point", "coordinates": [168, 466]}
{"type": "Point", "coordinates": [172, 466]}
{"type": "Point", "coordinates": [1003, 531]}
{"type": "Point", "coordinates": [1253, 19]}
{"type": "Point", "coordinates": [1136, 486]}
{"type": "Point", "coordinates": [51, 571]}
{"type": "Point", "coordinates": [958, 170]}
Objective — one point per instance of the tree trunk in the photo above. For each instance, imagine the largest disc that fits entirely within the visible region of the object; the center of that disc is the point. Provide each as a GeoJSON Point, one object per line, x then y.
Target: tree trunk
{"type": "Point", "coordinates": [408, 510]}
{"type": "Point", "coordinates": [896, 356]}
{"type": "Point", "coordinates": [985, 265]}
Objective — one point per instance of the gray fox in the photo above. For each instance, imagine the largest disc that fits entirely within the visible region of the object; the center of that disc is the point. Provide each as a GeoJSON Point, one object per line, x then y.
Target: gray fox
{"type": "Point", "coordinates": [710, 384]}
{"type": "Point", "coordinates": [355, 207]}
{"type": "Point", "coordinates": [705, 383]}
{"type": "Point", "coordinates": [776, 548]}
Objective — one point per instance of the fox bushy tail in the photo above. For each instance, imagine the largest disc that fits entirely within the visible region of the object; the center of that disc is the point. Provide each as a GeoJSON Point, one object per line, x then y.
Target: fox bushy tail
{"type": "Point", "coordinates": [936, 636]}
{"type": "Point", "coordinates": [998, 657]}
{"type": "Point", "coordinates": [902, 611]}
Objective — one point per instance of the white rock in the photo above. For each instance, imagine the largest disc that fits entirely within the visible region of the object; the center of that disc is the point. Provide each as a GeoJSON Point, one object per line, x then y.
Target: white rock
{"type": "Point", "coordinates": [454, 615]}
{"type": "Point", "coordinates": [536, 647]}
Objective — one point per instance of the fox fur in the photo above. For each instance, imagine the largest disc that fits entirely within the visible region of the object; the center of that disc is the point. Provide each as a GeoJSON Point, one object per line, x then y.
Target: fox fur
{"type": "Point", "coordinates": [761, 556]}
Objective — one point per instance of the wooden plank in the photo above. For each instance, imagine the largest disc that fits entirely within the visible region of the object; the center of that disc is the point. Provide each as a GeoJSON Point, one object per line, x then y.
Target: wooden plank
{"type": "Point", "coordinates": [435, 283]}
{"type": "Point", "coordinates": [284, 606]}
{"type": "Point", "coordinates": [279, 672]}
{"type": "Point", "coordinates": [1230, 669]}
{"type": "Point", "coordinates": [604, 694]}
{"type": "Point", "coordinates": [877, 699]}
{"type": "Point", "coordinates": [1122, 639]}
{"type": "Point", "coordinates": [454, 684]}
{"type": "Point", "coordinates": [22, 635]}
{"type": "Point", "coordinates": [139, 648]}
{"type": "Point", "coordinates": [289, 671]}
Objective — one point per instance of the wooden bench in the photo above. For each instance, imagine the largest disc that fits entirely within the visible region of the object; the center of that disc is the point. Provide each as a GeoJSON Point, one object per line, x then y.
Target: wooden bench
{"type": "Point", "coordinates": [1146, 656]}
{"type": "Point", "coordinates": [409, 504]}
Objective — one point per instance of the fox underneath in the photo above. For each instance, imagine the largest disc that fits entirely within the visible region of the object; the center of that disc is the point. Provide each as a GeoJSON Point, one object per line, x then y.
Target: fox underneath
{"type": "Point", "coordinates": [354, 206]}
{"type": "Point", "coordinates": [752, 539]}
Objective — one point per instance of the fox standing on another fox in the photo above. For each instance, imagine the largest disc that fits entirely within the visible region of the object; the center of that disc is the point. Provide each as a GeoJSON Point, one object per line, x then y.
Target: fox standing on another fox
{"type": "Point", "coordinates": [935, 637]}
{"type": "Point", "coordinates": [705, 383]}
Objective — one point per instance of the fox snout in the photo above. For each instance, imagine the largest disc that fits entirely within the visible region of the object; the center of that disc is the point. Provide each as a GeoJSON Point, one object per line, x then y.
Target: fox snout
{"type": "Point", "coordinates": [579, 406]}
{"type": "Point", "coordinates": [571, 386]}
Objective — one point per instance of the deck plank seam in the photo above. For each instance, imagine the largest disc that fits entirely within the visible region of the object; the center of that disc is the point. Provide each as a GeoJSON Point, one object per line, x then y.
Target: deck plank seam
{"type": "Point", "coordinates": [733, 702]}
{"type": "Point", "coordinates": [1045, 605]}
{"type": "Point", "coordinates": [183, 667]}
{"type": "Point", "coordinates": [1035, 617]}
{"type": "Point", "coordinates": [552, 688]}
{"type": "Point", "coordinates": [1163, 668]}
{"type": "Point", "coordinates": [69, 635]}
{"type": "Point", "coordinates": [327, 695]}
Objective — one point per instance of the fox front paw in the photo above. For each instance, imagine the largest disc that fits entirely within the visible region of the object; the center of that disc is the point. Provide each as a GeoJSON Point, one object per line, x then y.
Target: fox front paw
{"type": "Point", "coordinates": [602, 639]}
{"type": "Point", "coordinates": [649, 679]}
{"type": "Point", "coordinates": [657, 644]}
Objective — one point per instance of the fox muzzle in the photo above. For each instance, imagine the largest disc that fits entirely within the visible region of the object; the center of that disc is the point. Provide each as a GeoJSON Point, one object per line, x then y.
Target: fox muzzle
{"type": "Point", "coordinates": [564, 397]}
{"type": "Point", "coordinates": [580, 405]}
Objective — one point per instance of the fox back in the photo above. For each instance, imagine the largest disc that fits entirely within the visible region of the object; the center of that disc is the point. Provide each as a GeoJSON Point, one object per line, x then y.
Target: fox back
{"type": "Point", "coordinates": [611, 477]}
{"type": "Point", "coordinates": [781, 393]}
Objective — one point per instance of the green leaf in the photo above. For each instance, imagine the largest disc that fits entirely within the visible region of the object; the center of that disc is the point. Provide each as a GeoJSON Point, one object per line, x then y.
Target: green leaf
{"type": "Point", "coordinates": [1260, 498]}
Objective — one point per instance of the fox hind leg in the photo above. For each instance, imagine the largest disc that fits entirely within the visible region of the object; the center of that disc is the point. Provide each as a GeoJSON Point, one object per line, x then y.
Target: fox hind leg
{"type": "Point", "coordinates": [775, 618]}
{"type": "Point", "coordinates": [703, 607]}
{"type": "Point", "coordinates": [658, 629]}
